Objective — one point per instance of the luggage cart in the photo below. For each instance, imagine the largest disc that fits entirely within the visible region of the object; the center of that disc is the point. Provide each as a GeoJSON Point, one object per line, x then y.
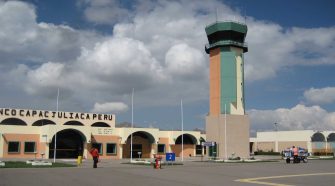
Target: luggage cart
{"type": "Point", "coordinates": [302, 155]}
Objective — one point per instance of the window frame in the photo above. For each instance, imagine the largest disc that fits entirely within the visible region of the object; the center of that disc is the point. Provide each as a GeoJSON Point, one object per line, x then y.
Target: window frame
{"type": "Point", "coordinates": [198, 148]}
{"type": "Point", "coordinates": [115, 149]}
{"type": "Point", "coordinates": [25, 147]}
{"type": "Point", "coordinates": [100, 149]}
{"type": "Point", "coordinates": [18, 148]}
{"type": "Point", "coordinates": [160, 152]}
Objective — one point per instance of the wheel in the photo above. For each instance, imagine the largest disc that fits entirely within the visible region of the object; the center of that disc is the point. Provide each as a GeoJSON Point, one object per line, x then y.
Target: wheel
{"type": "Point", "coordinates": [305, 160]}
{"type": "Point", "coordinates": [288, 160]}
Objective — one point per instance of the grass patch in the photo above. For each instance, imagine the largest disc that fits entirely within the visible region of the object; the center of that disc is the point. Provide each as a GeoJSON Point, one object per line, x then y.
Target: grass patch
{"type": "Point", "coordinates": [151, 164]}
{"type": "Point", "coordinates": [318, 158]}
{"type": "Point", "coordinates": [260, 161]}
{"type": "Point", "coordinates": [20, 164]}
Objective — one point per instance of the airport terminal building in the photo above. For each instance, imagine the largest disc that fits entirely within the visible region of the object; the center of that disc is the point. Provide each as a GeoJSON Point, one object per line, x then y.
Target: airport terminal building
{"type": "Point", "coordinates": [316, 142]}
{"type": "Point", "coordinates": [32, 134]}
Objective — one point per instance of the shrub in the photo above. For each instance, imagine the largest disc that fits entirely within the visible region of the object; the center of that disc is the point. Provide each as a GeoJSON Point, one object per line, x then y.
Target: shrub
{"type": "Point", "coordinates": [267, 153]}
{"type": "Point", "coordinates": [234, 158]}
{"type": "Point", "coordinates": [323, 154]}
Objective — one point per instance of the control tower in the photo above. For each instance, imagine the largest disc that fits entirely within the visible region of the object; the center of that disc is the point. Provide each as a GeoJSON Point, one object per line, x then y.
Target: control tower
{"type": "Point", "coordinates": [226, 123]}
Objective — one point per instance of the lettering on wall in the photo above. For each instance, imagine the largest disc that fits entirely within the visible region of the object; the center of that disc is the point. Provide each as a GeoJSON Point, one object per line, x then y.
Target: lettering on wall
{"type": "Point", "coordinates": [105, 131]}
{"type": "Point", "coordinates": [53, 114]}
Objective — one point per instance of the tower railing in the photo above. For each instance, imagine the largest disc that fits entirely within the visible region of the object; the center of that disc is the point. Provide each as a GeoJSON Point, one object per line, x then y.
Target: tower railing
{"type": "Point", "coordinates": [227, 42]}
{"type": "Point", "coordinates": [225, 21]}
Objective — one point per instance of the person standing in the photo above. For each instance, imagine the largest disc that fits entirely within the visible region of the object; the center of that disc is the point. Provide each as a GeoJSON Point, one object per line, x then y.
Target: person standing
{"type": "Point", "coordinates": [295, 154]}
{"type": "Point", "coordinates": [95, 154]}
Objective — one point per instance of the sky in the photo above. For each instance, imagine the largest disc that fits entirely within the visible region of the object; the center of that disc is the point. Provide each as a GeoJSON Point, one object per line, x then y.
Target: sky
{"type": "Point", "coordinates": [97, 51]}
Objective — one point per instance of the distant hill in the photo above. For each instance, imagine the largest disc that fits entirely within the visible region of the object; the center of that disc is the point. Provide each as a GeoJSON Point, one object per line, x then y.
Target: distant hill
{"type": "Point", "coordinates": [202, 131]}
{"type": "Point", "coordinates": [128, 125]}
{"type": "Point", "coordinates": [125, 125]}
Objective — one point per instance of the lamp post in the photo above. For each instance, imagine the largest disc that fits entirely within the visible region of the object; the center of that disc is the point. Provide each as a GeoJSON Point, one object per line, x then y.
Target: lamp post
{"type": "Point", "coordinates": [225, 132]}
{"type": "Point", "coordinates": [132, 126]}
{"type": "Point", "coordinates": [256, 150]}
{"type": "Point", "coordinates": [55, 144]}
{"type": "Point", "coordinates": [182, 130]}
{"type": "Point", "coordinates": [276, 136]}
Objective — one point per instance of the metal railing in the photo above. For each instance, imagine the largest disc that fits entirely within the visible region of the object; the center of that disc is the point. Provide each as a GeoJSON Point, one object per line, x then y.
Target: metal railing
{"type": "Point", "coordinates": [227, 42]}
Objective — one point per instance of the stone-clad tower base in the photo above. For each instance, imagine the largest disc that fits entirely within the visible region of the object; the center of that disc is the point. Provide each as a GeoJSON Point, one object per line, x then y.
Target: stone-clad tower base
{"type": "Point", "coordinates": [237, 127]}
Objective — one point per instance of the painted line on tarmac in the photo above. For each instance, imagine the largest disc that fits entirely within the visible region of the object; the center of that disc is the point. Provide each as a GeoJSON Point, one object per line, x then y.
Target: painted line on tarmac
{"type": "Point", "coordinates": [256, 180]}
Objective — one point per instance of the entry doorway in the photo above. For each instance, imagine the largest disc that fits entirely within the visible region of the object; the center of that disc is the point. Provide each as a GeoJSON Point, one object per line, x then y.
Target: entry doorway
{"type": "Point", "coordinates": [69, 145]}
{"type": "Point", "coordinates": [137, 150]}
{"type": "Point", "coordinates": [212, 151]}
{"type": "Point", "coordinates": [142, 145]}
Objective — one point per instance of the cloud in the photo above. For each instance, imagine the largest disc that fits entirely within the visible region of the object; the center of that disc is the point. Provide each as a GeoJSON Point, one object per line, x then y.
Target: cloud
{"type": "Point", "coordinates": [105, 11]}
{"type": "Point", "coordinates": [289, 47]}
{"type": "Point", "coordinates": [120, 64]}
{"type": "Point", "coordinates": [23, 40]}
{"type": "Point", "coordinates": [183, 60]}
{"type": "Point", "coordinates": [158, 50]}
{"type": "Point", "coordinates": [48, 74]}
{"type": "Point", "coordinates": [299, 117]}
{"type": "Point", "coordinates": [110, 107]}
{"type": "Point", "coordinates": [320, 96]}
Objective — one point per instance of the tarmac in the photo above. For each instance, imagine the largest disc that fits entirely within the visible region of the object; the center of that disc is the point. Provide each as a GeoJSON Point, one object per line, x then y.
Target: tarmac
{"type": "Point", "coordinates": [193, 172]}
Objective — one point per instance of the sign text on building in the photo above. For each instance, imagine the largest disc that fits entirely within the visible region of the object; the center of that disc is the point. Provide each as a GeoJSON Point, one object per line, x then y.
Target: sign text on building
{"type": "Point", "coordinates": [53, 114]}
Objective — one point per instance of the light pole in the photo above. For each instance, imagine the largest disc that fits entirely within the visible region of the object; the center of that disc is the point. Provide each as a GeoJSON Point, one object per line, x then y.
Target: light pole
{"type": "Point", "coordinates": [182, 130]}
{"type": "Point", "coordinates": [55, 144]}
{"type": "Point", "coordinates": [132, 126]}
{"type": "Point", "coordinates": [276, 136]}
{"type": "Point", "coordinates": [225, 132]}
{"type": "Point", "coordinates": [256, 143]}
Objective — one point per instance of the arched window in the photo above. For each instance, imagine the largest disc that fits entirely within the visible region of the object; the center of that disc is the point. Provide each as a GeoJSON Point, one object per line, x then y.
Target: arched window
{"type": "Point", "coordinates": [100, 124]}
{"type": "Point", "coordinates": [331, 141]}
{"type": "Point", "coordinates": [13, 121]}
{"type": "Point", "coordinates": [318, 137]}
{"type": "Point", "coordinates": [43, 122]}
{"type": "Point", "coordinates": [75, 123]}
{"type": "Point", "coordinates": [331, 137]}
{"type": "Point", "coordinates": [318, 142]}
{"type": "Point", "coordinates": [187, 139]}
{"type": "Point", "coordinates": [144, 135]}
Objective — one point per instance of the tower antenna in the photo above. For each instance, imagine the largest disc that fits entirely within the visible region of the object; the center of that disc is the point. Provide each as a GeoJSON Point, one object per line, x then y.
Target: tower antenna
{"type": "Point", "coordinates": [245, 15]}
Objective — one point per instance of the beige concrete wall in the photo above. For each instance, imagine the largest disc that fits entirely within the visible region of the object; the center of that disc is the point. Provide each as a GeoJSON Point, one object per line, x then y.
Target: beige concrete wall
{"type": "Point", "coordinates": [104, 139]}
{"type": "Point", "coordinates": [164, 141]}
{"type": "Point", "coordinates": [22, 138]}
{"type": "Point", "coordinates": [189, 150]}
{"type": "Point", "coordinates": [284, 145]}
{"type": "Point", "coordinates": [301, 135]}
{"type": "Point", "coordinates": [267, 146]}
{"type": "Point", "coordinates": [286, 139]}
{"type": "Point", "coordinates": [237, 134]}
{"type": "Point", "coordinates": [264, 146]}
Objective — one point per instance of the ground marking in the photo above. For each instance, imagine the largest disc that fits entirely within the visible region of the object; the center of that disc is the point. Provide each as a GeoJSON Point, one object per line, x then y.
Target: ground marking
{"type": "Point", "coordinates": [255, 180]}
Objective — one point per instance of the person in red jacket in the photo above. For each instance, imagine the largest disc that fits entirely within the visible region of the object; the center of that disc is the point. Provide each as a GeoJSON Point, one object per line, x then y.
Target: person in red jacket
{"type": "Point", "coordinates": [95, 154]}
{"type": "Point", "coordinates": [295, 154]}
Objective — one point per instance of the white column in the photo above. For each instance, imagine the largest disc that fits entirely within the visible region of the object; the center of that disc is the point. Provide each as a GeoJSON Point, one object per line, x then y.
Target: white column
{"type": "Point", "coordinates": [1, 145]}
{"type": "Point", "coordinates": [121, 150]}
